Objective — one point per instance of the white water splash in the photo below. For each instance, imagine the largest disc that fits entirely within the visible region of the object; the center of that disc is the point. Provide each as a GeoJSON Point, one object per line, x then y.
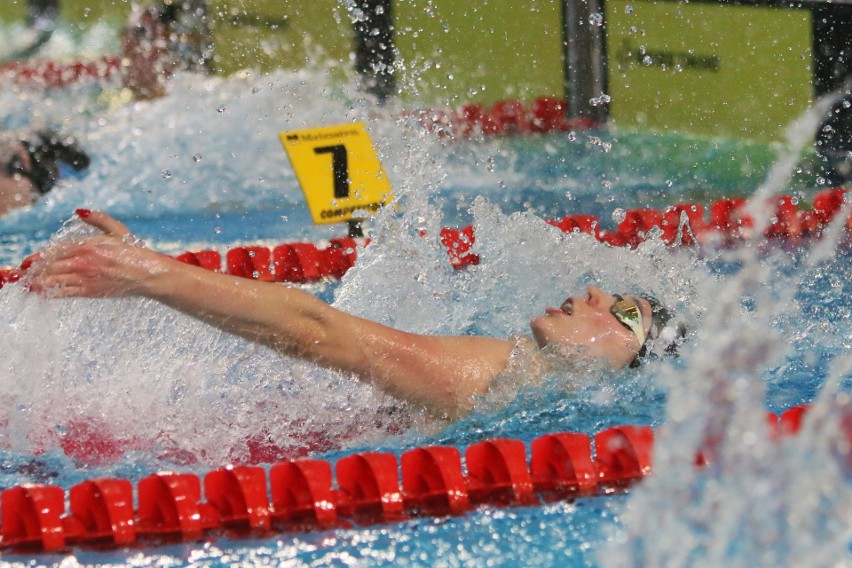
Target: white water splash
{"type": "Point", "coordinates": [760, 502]}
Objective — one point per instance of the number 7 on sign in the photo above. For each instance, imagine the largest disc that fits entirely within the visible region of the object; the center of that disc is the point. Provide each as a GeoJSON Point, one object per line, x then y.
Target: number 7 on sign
{"type": "Point", "coordinates": [352, 180]}
{"type": "Point", "coordinates": [339, 168]}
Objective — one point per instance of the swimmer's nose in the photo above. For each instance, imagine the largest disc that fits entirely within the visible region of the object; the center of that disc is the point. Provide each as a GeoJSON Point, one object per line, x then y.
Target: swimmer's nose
{"type": "Point", "coordinates": [594, 295]}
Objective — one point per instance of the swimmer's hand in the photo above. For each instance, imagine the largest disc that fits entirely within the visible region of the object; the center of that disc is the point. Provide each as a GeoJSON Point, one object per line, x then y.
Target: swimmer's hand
{"type": "Point", "coordinates": [104, 266]}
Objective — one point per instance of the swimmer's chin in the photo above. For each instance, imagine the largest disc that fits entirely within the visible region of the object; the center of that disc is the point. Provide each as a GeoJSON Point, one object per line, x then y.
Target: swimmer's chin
{"type": "Point", "coordinates": [558, 357]}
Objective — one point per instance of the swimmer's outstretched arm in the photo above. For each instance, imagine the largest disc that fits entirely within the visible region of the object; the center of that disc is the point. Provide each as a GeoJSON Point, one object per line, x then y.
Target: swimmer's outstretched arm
{"type": "Point", "coordinates": [440, 373]}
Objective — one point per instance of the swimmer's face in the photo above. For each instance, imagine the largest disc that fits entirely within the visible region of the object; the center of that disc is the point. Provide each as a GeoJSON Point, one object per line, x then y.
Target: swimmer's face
{"type": "Point", "coordinates": [16, 189]}
{"type": "Point", "coordinates": [588, 323]}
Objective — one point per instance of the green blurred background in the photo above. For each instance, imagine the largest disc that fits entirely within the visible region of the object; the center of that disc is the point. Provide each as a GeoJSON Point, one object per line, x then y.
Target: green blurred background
{"type": "Point", "coordinates": [661, 72]}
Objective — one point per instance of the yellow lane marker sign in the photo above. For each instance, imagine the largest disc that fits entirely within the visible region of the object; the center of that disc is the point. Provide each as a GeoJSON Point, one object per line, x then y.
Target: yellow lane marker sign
{"type": "Point", "coordinates": [338, 170]}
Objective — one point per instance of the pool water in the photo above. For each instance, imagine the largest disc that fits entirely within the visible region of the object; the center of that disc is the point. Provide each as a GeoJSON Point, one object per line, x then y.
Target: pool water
{"type": "Point", "coordinates": [203, 168]}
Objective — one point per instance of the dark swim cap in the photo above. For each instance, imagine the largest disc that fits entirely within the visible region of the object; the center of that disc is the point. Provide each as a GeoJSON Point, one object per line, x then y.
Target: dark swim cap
{"type": "Point", "coordinates": [666, 334]}
{"type": "Point", "coordinates": [47, 149]}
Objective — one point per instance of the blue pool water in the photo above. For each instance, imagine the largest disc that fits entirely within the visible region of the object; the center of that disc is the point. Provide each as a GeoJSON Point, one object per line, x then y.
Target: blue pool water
{"type": "Point", "coordinates": [203, 168]}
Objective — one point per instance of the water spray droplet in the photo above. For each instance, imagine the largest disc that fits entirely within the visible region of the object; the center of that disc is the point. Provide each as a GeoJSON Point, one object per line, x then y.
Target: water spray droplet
{"type": "Point", "coordinates": [601, 100]}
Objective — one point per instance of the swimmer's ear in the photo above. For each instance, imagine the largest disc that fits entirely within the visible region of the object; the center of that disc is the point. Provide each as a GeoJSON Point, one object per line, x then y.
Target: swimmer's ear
{"type": "Point", "coordinates": [104, 222]}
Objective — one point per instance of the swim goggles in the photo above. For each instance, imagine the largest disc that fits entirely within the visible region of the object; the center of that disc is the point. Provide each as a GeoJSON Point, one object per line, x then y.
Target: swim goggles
{"type": "Point", "coordinates": [48, 151]}
{"type": "Point", "coordinates": [15, 167]}
{"type": "Point", "coordinates": [43, 173]}
{"type": "Point", "coordinates": [629, 315]}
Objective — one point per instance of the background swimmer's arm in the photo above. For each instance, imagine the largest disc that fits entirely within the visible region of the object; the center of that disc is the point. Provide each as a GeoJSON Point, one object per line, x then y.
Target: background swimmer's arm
{"type": "Point", "coordinates": [439, 373]}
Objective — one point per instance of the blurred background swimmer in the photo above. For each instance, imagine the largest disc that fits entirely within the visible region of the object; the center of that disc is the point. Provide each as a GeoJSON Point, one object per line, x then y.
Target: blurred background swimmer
{"type": "Point", "coordinates": [158, 39]}
{"type": "Point", "coordinates": [161, 38]}
{"type": "Point", "coordinates": [33, 161]}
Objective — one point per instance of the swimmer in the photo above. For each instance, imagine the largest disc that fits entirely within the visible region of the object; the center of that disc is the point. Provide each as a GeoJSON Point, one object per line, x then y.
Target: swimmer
{"type": "Point", "coordinates": [161, 38]}
{"type": "Point", "coordinates": [443, 374]}
{"type": "Point", "coordinates": [30, 165]}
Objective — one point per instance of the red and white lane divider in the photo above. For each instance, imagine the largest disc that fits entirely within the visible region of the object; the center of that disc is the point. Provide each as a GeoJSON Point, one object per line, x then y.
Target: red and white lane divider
{"type": "Point", "coordinates": [728, 223]}
{"type": "Point", "coordinates": [301, 495]}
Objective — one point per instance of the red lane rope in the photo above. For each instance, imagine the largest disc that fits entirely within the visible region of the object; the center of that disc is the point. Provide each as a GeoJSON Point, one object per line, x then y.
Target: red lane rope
{"type": "Point", "coordinates": [373, 487]}
{"type": "Point", "coordinates": [503, 118]}
{"type": "Point", "coordinates": [506, 117]}
{"type": "Point", "coordinates": [53, 74]}
{"type": "Point", "coordinates": [727, 223]}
